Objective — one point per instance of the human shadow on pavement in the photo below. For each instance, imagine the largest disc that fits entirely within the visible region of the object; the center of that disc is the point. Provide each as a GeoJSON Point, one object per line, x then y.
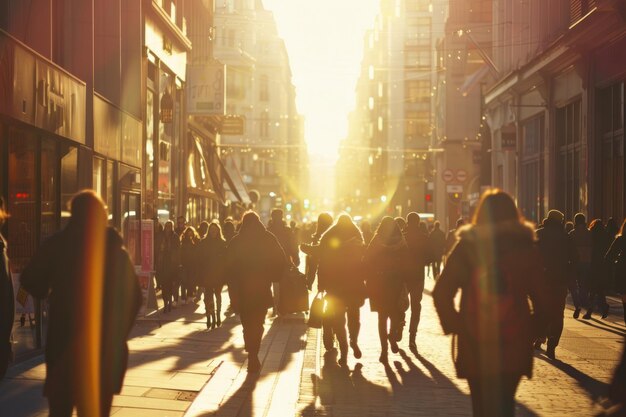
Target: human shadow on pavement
{"type": "Point", "coordinates": [604, 326]}
{"type": "Point", "coordinates": [596, 389]}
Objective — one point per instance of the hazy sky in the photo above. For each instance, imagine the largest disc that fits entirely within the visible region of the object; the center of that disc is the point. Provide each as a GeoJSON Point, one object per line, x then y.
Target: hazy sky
{"type": "Point", "coordinates": [324, 40]}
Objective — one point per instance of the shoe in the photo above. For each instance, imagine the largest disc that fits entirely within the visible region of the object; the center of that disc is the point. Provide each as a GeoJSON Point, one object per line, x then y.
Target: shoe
{"type": "Point", "coordinates": [550, 353]}
{"type": "Point", "coordinates": [587, 315]}
{"type": "Point", "coordinates": [605, 311]}
{"type": "Point", "coordinates": [383, 357]}
{"type": "Point", "coordinates": [209, 321]}
{"type": "Point", "coordinates": [537, 346]}
{"type": "Point", "coordinates": [218, 319]}
{"type": "Point", "coordinates": [343, 360]}
{"type": "Point", "coordinates": [254, 365]}
{"type": "Point", "coordinates": [576, 313]}
{"type": "Point", "coordinates": [394, 346]}
{"type": "Point", "coordinates": [356, 350]}
{"type": "Point", "coordinates": [412, 344]}
{"type": "Point", "coordinates": [213, 321]}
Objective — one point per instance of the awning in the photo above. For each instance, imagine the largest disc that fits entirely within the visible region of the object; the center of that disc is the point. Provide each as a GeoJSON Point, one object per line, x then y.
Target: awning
{"type": "Point", "coordinates": [473, 80]}
{"type": "Point", "coordinates": [203, 178]}
{"type": "Point", "coordinates": [235, 189]}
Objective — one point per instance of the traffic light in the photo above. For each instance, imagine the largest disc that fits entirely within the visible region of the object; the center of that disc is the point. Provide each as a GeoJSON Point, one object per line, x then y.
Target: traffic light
{"type": "Point", "coordinates": [428, 198]}
{"type": "Point", "coordinates": [454, 197]}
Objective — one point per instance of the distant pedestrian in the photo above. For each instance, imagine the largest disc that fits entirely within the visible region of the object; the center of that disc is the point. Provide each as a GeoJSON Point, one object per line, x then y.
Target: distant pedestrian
{"type": "Point", "coordinates": [254, 258]}
{"type": "Point", "coordinates": [168, 269]}
{"type": "Point", "coordinates": [417, 242]}
{"type": "Point", "coordinates": [387, 264]}
{"type": "Point", "coordinates": [281, 231]}
{"type": "Point", "coordinates": [437, 243]}
{"type": "Point", "coordinates": [212, 253]}
{"type": "Point", "coordinates": [7, 301]}
{"type": "Point", "coordinates": [188, 263]}
{"type": "Point", "coordinates": [228, 230]}
{"type": "Point", "coordinates": [616, 257]}
{"type": "Point", "coordinates": [451, 237]}
{"type": "Point", "coordinates": [94, 296]}
{"type": "Point", "coordinates": [598, 280]}
{"type": "Point", "coordinates": [569, 226]}
{"type": "Point", "coordinates": [559, 257]}
{"type": "Point", "coordinates": [401, 223]}
{"type": "Point", "coordinates": [324, 221]}
{"type": "Point", "coordinates": [581, 237]}
{"type": "Point", "coordinates": [496, 266]}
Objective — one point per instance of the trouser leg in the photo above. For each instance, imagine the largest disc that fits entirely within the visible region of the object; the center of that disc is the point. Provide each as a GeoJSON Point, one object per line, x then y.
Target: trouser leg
{"type": "Point", "coordinates": [383, 334]}
{"type": "Point", "coordinates": [60, 406]}
{"type": "Point", "coordinates": [493, 396]}
{"type": "Point", "coordinates": [354, 323]}
{"type": "Point", "coordinates": [338, 323]}
{"type": "Point", "coordinates": [555, 328]}
{"type": "Point", "coordinates": [416, 290]}
{"type": "Point", "coordinates": [252, 323]}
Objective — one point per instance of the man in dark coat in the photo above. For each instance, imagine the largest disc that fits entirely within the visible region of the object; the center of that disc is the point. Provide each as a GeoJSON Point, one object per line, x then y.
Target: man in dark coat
{"type": "Point", "coordinates": [254, 258]}
{"type": "Point", "coordinates": [437, 241]}
{"type": "Point", "coordinates": [86, 352]}
{"type": "Point", "coordinates": [583, 244]}
{"type": "Point", "coordinates": [417, 241]}
{"type": "Point", "coordinates": [7, 302]}
{"type": "Point", "coordinates": [559, 255]}
{"type": "Point", "coordinates": [285, 238]}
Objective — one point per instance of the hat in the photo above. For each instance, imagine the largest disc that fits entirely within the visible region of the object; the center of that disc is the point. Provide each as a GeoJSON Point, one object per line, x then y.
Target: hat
{"type": "Point", "coordinates": [556, 215]}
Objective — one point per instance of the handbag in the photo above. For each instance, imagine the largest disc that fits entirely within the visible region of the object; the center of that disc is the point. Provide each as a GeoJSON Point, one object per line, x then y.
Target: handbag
{"type": "Point", "coordinates": [294, 295]}
{"type": "Point", "coordinates": [316, 312]}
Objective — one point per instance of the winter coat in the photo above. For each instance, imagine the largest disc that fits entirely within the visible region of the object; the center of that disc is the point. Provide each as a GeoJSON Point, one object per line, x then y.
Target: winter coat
{"type": "Point", "coordinates": [388, 267]}
{"type": "Point", "coordinates": [169, 258]}
{"type": "Point", "coordinates": [286, 240]}
{"type": "Point", "coordinates": [437, 242]}
{"type": "Point", "coordinates": [188, 260]}
{"type": "Point", "coordinates": [493, 267]}
{"type": "Point", "coordinates": [7, 308]}
{"type": "Point", "coordinates": [599, 277]}
{"type": "Point", "coordinates": [583, 242]}
{"type": "Point", "coordinates": [340, 268]}
{"type": "Point", "coordinates": [615, 252]}
{"type": "Point", "coordinates": [418, 244]}
{"type": "Point", "coordinates": [211, 260]}
{"type": "Point", "coordinates": [56, 271]}
{"type": "Point", "coordinates": [558, 253]}
{"type": "Point", "coordinates": [254, 259]}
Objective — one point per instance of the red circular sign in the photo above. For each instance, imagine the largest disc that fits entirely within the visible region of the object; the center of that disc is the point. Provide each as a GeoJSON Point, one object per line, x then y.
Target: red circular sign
{"type": "Point", "coordinates": [447, 175]}
{"type": "Point", "coordinates": [461, 175]}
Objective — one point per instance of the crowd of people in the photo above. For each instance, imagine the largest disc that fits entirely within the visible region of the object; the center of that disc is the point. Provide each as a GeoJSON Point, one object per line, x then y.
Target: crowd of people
{"type": "Point", "coordinates": [513, 277]}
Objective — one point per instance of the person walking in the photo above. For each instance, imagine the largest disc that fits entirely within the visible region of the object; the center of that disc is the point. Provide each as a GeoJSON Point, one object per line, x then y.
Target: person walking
{"type": "Point", "coordinates": [94, 296]}
{"type": "Point", "coordinates": [7, 301]}
{"type": "Point", "coordinates": [616, 258]}
{"type": "Point", "coordinates": [559, 257]}
{"type": "Point", "coordinates": [598, 277]}
{"type": "Point", "coordinates": [437, 243]}
{"type": "Point", "coordinates": [281, 231]}
{"type": "Point", "coordinates": [169, 265]}
{"type": "Point", "coordinates": [211, 252]}
{"type": "Point", "coordinates": [581, 237]}
{"type": "Point", "coordinates": [324, 221]}
{"type": "Point", "coordinates": [254, 258]}
{"type": "Point", "coordinates": [387, 262]}
{"type": "Point", "coordinates": [417, 242]}
{"type": "Point", "coordinates": [497, 268]}
{"type": "Point", "coordinates": [340, 253]}
{"type": "Point", "coordinates": [188, 262]}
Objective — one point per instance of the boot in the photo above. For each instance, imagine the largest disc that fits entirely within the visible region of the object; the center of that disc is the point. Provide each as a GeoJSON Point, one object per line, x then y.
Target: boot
{"type": "Point", "coordinates": [213, 320]}
{"type": "Point", "coordinates": [355, 349]}
{"type": "Point", "coordinates": [218, 319]}
{"type": "Point", "coordinates": [383, 357]}
{"type": "Point", "coordinates": [209, 321]}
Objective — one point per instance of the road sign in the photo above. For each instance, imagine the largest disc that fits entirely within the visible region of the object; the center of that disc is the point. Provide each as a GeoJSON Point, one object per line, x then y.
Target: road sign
{"type": "Point", "coordinates": [461, 175]}
{"type": "Point", "coordinates": [232, 125]}
{"type": "Point", "coordinates": [454, 188]}
{"type": "Point", "coordinates": [447, 175]}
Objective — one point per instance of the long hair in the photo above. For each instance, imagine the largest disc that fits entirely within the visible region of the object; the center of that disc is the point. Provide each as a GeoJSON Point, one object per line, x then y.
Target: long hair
{"type": "Point", "coordinates": [387, 231]}
{"type": "Point", "coordinates": [496, 206]}
{"type": "Point", "coordinates": [324, 221]}
{"type": "Point", "coordinates": [215, 225]}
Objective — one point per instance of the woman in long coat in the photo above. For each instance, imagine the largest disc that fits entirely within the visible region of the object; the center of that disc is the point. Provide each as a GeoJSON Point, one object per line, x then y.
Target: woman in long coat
{"type": "Point", "coordinates": [212, 250]}
{"type": "Point", "coordinates": [497, 266]}
{"type": "Point", "coordinates": [598, 279]}
{"type": "Point", "coordinates": [388, 265]}
{"type": "Point", "coordinates": [253, 259]}
{"type": "Point", "coordinates": [341, 275]}
{"type": "Point", "coordinates": [168, 268]}
{"type": "Point", "coordinates": [189, 268]}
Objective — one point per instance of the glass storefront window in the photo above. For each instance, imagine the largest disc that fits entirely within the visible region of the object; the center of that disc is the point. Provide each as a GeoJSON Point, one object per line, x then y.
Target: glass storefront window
{"type": "Point", "coordinates": [69, 179]}
{"type": "Point", "coordinates": [109, 194]}
{"type": "Point", "coordinates": [98, 177]}
{"type": "Point", "coordinates": [149, 169]}
{"type": "Point", "coordinates": [22, 239]}
{"type": "Point", "coordinates": [49, 181]}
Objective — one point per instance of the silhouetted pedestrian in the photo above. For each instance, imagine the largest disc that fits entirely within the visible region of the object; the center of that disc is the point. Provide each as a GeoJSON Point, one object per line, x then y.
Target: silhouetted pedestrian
{"type": "Point", "coordinates": [497, 267]}
{"type": "Point", "coordinates": [324, 221]}
{"type": "Point", "coordinates": [417, 242]}
{"type": "Point", "coordinates": [559, 256]}
{"type": "Point", "coordinates": [581, 237]}
{"type": "Point", "coordinates": [7, 301]}
{"type": "Point", "coordinates": [437, 243]}
{"type": "Point", "coordinates": [279, 229]}
{"type": "Point", "coordinates": [168, 268]}
{"type": "Point", "coordinates": [388, 265]}
{"type": "Point", "coordinates": [212, 252]}
{"type": "Point", "coordinates": [188, 262]}
{"type": "Point", "coordinates": [93, 297]}
{"type": "Point", "coordinates": [254, 258]}
{"type": "Point", "coordinates": [616, 257]}
{"type": "Point", "coordinates": [598, 278]}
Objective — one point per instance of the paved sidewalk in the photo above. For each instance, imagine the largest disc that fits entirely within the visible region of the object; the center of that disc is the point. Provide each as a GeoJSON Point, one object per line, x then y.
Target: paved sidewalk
{"type": "Point", "coordinates": [424, 383]}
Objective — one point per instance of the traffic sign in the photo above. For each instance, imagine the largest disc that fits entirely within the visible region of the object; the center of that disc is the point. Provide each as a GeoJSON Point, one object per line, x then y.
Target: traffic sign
{"type": "Point", "coordinates": [232, 125]}
{"type": "Point", "coordinates": [447, 175]}
{"type": "Point", "coordinates": [461, 175]}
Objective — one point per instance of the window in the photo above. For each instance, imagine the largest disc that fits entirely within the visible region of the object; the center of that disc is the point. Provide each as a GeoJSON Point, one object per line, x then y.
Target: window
{"type": "Point", "coordinates": [417, 124]}
{"type": "Point", "coordinates": [264, 125]}
{"type": "Point", "coordinates": [610, 114]}
{"type": "Point", "coordinates": [532, 169]}
{"type": "Point", "coordinates": [568, 135]}
{"type": "Point", "coordinates": [264, 94]}
{"type": "Point", "coordinates": [418, 58]}
{"type": "Point", "coordinates": [418, 91]}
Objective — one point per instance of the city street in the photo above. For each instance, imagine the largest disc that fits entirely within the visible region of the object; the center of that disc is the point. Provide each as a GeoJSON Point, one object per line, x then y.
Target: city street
{"type": "Point", "coordinates": [179, 368]}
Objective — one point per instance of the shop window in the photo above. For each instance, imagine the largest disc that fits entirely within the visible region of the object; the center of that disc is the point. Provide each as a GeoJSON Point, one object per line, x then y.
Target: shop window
{"type": "Point", "coordinates": [110, 196]}
{"type": "Point", "coordinates": [69, 179]}
{"type": "Point", "coordinates": [98, 177]}
{"type": "Point", "coordinates": [418, 91]}
{"type": "Point", "coordinates": [610, 111]}
{"type": "Point", "coordinates": [568, 138]}
{"type": "Point", "coordinates": [532, 170]}
{"type": "Point", "coordinates": [49, 181]}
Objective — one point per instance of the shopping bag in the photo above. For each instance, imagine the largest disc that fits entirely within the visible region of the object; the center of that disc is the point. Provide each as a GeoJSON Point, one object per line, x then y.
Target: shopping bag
{"type": "Point", "coordinates": [293, 293]}
{"type": "Point", "coordinates": [316, 312]}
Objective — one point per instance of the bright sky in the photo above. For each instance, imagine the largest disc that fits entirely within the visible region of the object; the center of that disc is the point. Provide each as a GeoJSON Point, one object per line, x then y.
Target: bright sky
{"type": "Point", "coordinates": [324, 40]}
